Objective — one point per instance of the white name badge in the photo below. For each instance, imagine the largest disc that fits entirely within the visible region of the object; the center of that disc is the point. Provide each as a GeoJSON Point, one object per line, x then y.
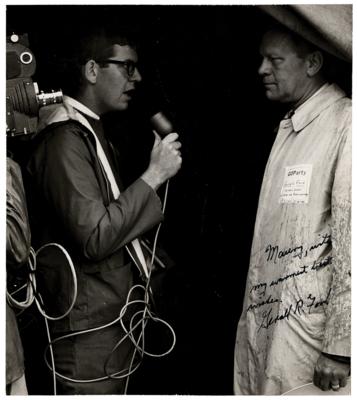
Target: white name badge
{"type": "Point", "coordinates": [296, 185]}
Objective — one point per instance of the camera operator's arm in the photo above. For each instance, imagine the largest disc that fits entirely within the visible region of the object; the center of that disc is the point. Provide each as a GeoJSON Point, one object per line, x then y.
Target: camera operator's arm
{"type": "Point", "coordinates": [18, 238]}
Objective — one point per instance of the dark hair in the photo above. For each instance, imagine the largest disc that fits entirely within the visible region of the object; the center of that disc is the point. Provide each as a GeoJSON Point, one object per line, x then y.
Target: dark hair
{"type": "Point", "coordinates": [96, 45]}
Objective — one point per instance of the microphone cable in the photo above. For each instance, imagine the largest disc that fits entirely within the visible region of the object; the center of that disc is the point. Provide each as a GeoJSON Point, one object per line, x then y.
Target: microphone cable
{"type": "Point", "coordinates": [32, 294]}
{"type": "Point", "coordinates": [30, 286]}
{"type": "Point", "coordinates": [138, 320]}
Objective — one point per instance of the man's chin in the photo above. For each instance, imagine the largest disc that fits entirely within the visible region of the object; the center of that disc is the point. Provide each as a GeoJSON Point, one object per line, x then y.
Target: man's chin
{"type": "Point", "coordinates": [273, 96]}
{"type": "Point", "coordinates": [123, 106]}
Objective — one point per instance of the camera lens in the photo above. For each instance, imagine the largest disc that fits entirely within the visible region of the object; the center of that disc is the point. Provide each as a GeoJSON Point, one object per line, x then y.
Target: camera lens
{"type": "Point", "coordinates": [26, 57]}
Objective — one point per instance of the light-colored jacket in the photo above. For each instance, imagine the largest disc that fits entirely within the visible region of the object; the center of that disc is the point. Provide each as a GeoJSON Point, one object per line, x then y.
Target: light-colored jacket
{"type": "Point", "coordinates": [297, 301]}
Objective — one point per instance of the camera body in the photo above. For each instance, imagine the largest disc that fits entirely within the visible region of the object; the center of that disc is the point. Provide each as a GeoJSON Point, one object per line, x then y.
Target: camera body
{"type": "Point", "coordinates": [23, 98]}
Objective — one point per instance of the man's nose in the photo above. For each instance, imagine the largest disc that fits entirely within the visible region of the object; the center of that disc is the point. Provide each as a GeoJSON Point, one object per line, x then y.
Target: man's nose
{"type": "Point", "coordinates": [265, 67]}
{"type": "Point", "coordinates": [137, 76]}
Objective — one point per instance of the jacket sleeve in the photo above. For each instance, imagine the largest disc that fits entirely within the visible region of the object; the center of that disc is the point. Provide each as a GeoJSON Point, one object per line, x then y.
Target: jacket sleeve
{"type": "Point", "coordinates": [18, 237]}
{"type": "Point", "coordinates": [65, 172]}
{"type": "Point", "coordinates": [337, 340]}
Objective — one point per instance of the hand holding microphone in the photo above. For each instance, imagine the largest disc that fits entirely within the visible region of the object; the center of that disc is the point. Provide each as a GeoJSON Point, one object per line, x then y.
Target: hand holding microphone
{"type": "Point", "coordinates": [165, 159]}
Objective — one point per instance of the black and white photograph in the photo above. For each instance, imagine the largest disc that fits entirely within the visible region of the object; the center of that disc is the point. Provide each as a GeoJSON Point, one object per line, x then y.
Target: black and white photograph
{"type": "Point", "coordinates": [178, 199]}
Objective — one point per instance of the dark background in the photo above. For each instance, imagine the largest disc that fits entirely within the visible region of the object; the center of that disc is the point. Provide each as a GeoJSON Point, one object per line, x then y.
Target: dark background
{"type": "Point", "coordinates": [200, 65]}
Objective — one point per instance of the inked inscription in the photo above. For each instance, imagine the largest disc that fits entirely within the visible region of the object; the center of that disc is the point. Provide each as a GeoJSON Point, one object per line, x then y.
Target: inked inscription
{"type": "Point", "coordinates": [270, 319]}
{"type": "Point", "coordinates": [321, 264]}
{"type": "Point", "coordinates": [262, 286]}
{"type": "Point", "coordinates": [268, 306]}
{"type": "Point", "coordinates": [301, 271]}
{"type": "Point", "coordinates": [305, 269]}
{"type": "Point", "coordinates": [316, 304]}
{"type": "Point", "coordinates": [274, 253]}
{"type": "Point", "coordinates": [298, 308]}
{"type": "Point", "coordinates": [269, 300]}
{"type": "Point", "coordinates": [326, 239]}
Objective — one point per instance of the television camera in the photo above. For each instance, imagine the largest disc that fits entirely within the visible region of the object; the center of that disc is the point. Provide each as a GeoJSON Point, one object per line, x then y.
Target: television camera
{"type": "Point", "coordinates": [23, 98]}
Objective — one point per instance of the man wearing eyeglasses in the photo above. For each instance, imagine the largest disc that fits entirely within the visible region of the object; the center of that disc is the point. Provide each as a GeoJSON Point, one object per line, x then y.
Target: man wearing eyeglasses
{"type": "Point", "coordinates": [84, 207]}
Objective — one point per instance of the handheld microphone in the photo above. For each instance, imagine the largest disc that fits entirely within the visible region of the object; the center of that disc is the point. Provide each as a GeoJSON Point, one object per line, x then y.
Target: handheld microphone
{"type": "Point", "coordinates": [161, 124]}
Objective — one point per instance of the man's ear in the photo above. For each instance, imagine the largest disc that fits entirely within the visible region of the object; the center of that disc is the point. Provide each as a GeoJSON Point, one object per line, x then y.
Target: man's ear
{"type": "Point", "coordinates": [315, 61]}
{"type": "Point", "coordinates": [90, 70]}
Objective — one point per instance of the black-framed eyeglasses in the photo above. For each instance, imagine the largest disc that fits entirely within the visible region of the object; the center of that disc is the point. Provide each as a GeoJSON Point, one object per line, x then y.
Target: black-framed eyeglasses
{"type": "Point", "coordinates": [129, 66]}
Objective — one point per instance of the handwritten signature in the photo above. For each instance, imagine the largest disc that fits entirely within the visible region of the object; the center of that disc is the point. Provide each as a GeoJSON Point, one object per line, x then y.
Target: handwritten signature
{"type": "Point", "coordinates": [298, 308]}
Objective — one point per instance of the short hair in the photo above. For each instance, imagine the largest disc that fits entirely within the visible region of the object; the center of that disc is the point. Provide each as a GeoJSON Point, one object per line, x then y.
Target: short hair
{"type": "Point", "coordinates": [96, 44]}
{"type": "Point", "coordinates": [332, 70]}
{"type": "Point", "coordinates": [302, 46]}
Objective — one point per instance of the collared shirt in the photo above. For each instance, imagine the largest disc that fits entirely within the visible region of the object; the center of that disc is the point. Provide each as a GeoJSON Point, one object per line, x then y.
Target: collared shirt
{"type": "Point", "coordinates": [97, 125]}
{"type": "Point", "coordinates": [80, 107]}
{"type": "Point", "coordinates": [297, 300]}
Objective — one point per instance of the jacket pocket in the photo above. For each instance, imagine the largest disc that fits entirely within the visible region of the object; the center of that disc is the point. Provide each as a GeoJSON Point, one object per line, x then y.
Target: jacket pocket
{"type": "Point", "coordinates": [107, 287]}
